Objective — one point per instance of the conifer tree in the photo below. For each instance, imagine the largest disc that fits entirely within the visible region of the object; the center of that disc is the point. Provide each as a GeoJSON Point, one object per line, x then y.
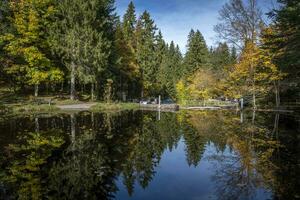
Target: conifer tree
{"type": "Point", "coordinates": [282, 39]}
{"type": "Point", "coordinates": [233, 55]}
{"type": "Point", "coordinates": [221, 57]}
{"type": "Point", "coordinates": [145, 33]}
{"type": "Point", "coordinates": [130, 83]}
{"type": "Point", "coordinates": [197, 55]}
{"type": "Point", "coordinates": [170, 72]}
{"type": "Point", "coordinates": [82, 36]}
{"type": "Point", "coordinates": [129, 23]}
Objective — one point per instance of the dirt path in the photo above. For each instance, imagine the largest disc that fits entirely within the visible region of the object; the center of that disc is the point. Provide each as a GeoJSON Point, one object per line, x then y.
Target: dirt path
{"type": "Point", "coordinates": [83, 106]}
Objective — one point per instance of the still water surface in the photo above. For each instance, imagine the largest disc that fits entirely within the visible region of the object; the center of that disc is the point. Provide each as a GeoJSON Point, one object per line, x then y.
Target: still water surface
{"type": "Point", "coordinates": [146, 155]}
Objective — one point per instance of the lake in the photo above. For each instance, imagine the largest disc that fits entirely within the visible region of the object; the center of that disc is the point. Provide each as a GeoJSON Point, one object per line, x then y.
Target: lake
{"type": "Point", "coordinates": [145, 155]}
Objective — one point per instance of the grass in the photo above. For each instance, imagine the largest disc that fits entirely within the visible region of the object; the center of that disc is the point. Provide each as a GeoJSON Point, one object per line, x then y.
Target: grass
{"type": "Point", "coordinates": [29, 108]}
{"type": "Point", "coordinates": [114, 106]}
{"type": "Point", "coordinates": [211, 102]}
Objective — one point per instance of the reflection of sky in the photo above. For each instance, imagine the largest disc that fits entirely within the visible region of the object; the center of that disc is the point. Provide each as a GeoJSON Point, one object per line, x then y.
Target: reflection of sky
{"type": "Point", "coordinates": [176, 17]}
{"type": "Point", "coordinates": [175, 180]}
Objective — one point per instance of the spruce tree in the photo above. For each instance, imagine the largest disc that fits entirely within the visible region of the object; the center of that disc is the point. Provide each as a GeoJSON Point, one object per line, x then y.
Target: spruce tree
{"type": "Point", "coordinates": [82, 36]}
{"type": "Point", "coordinates": [197, 55]}
{"type": "Point", "coordinates": [221, 57]}
{"type": "Point", "coordinates": [129, 77]}
{"type": "Point", "coordinates": [170, 72]}
{"type": "Point", "coordinates": [129, 22]}
{"type": "Point", "coordinates": [145, 33]}
{"type": "Point", "coordinates": [233, 55]}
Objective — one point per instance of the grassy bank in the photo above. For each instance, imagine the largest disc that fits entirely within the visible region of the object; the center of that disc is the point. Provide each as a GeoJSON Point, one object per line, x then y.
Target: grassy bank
{"type": "Point", "coordinates": [19, 109]}
{"type": "Point", "coordinates": [114, 106]}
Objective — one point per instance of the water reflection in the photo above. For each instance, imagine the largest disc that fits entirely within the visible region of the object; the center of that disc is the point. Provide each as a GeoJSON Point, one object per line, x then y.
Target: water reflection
{"type": "Point", "coordinates": [98, 155]}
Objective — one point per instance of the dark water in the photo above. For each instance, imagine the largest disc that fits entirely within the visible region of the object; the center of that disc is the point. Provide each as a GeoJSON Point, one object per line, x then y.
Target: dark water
{"type": "Point", "coordinates": [148, 155]}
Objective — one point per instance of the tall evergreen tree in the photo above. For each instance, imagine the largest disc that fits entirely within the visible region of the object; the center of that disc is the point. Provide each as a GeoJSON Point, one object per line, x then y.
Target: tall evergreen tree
{"type": "Point", "coordinates": [170, 71]}
{"type": "Point", "coordinates": [128, 57]}
{"type": "Point", "coordinates": [282, 38]}
{"type": "Point", "coordinates": [129, 22]}
{"type": "Point", "coordinates": [145, 34]}
{"type": "Point", "coordinates": [82, 36]}
{"type": "Point", "coordinates": [5, 27]}
{"type": "Point", "coordinates": [197, 55]}
{"type": "Point", "coordinates": [233, 54]}
{"type": "Point", "coordinates": [221, 57]}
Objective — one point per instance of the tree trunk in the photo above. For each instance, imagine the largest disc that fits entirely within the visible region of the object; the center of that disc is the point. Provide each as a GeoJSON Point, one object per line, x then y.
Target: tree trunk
{"type": "Point", "coordinates": [277, 94]}
{"type": "Point", "coordinates": [73, 129]}
{"type": "Point", "coordinates": [37, 125]}
{"type": "Point", "coordinates": [73, 90]}
{"type": "Point", "coordinates": [92, 92]}
{"type": "Point", "coordinates": [62, 86]}
{"type": "Point", "coordinates": [275, 129]}
{"type": "Point", "coordinates": [254, 98]}
{"type": "Point", "coordinates": [36, 90]}
{"type": "Point", "coordinates": [253, 86]}
{"type": "Point", "coordinates": [96, 92]}
{"type": "Point", "coordinates": [142, 91]}
{"type": "Point", "coordinates": [47, 88]}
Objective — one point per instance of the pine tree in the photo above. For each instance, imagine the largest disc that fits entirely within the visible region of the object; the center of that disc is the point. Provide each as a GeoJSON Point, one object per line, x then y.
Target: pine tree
{"type": "Point", "coordinates": [129, 23]}
{"type": "Point", "coordinates": [233, 55]}
{"type": "Point", "coordinates": [283, 40]}
{"type": "Point", "coordinates": [220, 57]}
{"type": "Point", "coordinates": [197, 55]}
{"type": "Point", "coordinates": [129, 69]}
{"type": "Point", "coordinates": [145, 33]}
{"type": "Point", "coordinates": [5, 27]}
{"type": "Point", "coordinates": [170, 71]}
{"type": "Point", "coordinates": [82, 36]}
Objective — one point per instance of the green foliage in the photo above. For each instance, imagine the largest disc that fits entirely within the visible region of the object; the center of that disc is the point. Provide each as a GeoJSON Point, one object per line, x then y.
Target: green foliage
{"type": "Point", "coordinates": [283, 41]}
{"type": "Point", "coordinates": [26, 46]}
{"type": "Point", "coordinates": [182, 93]}
{"type": "Point", "coordinates": [80, 36]}
{"type": "Point", "coordinates": [222, 58]}
{"type": "Point", "coordinates": [171, 70]}
{"type": "Point", "coordinates": [28, 155]}
{"type": "Point", "coordinates": [145, 53]}
{"type": "Point", "coordinates": [108, 92]}
{"type": "Point", "coordinates": [197, 55]}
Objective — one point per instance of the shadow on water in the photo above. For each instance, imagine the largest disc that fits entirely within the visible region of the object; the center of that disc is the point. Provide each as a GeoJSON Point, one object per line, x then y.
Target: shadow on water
{"type": "Point", "coordinates": [150, 155]}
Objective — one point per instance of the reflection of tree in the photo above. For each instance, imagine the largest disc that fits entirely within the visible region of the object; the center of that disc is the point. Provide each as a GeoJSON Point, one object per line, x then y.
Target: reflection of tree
{"type": "Point", "coordinates": [240, 173]}
{"type": "Point", "coordinates": [103, 146]}
{"type": "Point", "coordinates": [84, 173]}
{"type": "Point", "coordinates": [195, 146]}
{"type": "Point", "coordinates": [89, 168]}
{"type": "Point", "coordinates": [146, 153]}
{"type": "Point", "coordinates": [152, 138]}
{"type": "Point", "coordinates": [201, 128]}
{"type": "Point", "coordinates": [24, 162]}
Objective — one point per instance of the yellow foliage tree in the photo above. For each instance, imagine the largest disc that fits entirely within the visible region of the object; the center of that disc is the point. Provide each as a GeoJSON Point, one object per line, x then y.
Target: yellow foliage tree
{"type": "Point", "coordinates": [27, 44]}
{"type": "Point", "coordinates": [203, 85]}
{"type": "Point", "coordinates": [253, 74]}
{"type": "Point", "coordinates": [182, 93]}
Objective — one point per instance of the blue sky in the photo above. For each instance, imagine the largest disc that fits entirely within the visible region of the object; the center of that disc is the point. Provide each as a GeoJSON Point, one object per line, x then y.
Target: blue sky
{"type": "Point", "coordinates": [175, 18]}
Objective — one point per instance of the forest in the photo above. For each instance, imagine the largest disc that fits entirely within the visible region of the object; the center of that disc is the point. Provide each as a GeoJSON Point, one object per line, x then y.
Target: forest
{"type": "Point", "coordinates": [83, 49]}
